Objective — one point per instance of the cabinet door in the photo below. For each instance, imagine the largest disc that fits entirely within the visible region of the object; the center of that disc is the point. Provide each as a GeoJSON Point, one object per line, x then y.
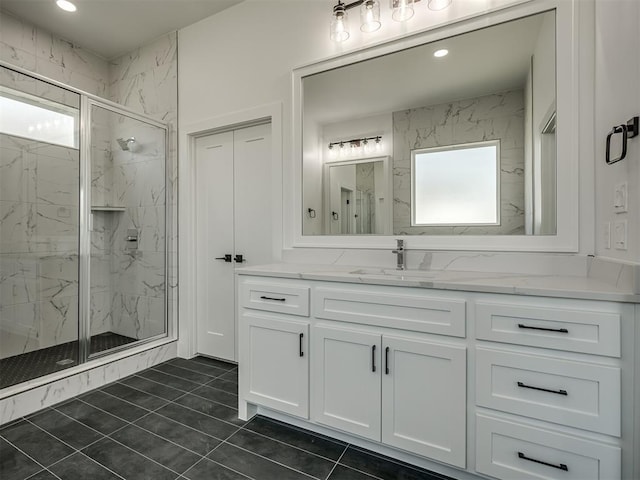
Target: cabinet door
{"type": "Point", "coordinates": [347, 380]}
{"type": "Point", "coordinates": [424, 398]}
{"type": "Point", "coordinates": [274, 354]}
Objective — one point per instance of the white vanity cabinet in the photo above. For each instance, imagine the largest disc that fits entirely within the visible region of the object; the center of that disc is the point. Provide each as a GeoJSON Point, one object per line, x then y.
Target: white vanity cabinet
{"type": "Point", "coordinates": [408, 393]}
{"type": "Point", "coordinates": [554, 395]}
{"type": "Point", "coordinates": [464, 383]}
{"type": "Point", "coordinates": [274, 358]}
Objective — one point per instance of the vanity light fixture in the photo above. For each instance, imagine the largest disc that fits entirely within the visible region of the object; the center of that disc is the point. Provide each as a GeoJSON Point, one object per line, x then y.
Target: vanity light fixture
{"type": "Point", "coordinates": [66, 5]}
{"type": "Point", "coordinates": [438, 4]}
{"type": "Point", "coordinates": [441, 53]}
{"type": "Point", "coordinates": [402, 10]}
{"type": "Point", "coordinates": [355, 147]}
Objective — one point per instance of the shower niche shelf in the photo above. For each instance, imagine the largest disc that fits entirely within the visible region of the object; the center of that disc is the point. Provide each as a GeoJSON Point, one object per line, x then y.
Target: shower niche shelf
{"type": "Point", "coordinates": [107, 208]}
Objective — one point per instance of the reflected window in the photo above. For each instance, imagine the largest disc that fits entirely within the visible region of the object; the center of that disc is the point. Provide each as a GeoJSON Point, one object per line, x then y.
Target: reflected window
{"type": "Point", "coordinates": [27, 116]}
{"type": "Point", "coordinates": [456, 184]}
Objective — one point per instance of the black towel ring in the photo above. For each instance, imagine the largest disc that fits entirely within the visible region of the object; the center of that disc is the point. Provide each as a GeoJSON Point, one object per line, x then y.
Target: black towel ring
{"type": "Point", "coordinates": [628, 131]}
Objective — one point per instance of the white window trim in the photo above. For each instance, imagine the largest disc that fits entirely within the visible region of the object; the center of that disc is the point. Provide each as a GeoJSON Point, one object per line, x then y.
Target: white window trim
{"type": "Point", "coordinates": [448, 148]}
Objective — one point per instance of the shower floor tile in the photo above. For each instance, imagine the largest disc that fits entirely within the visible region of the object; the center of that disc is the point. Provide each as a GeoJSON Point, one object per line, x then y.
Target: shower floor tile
{"type": "Point", "coordinates": [177, 434]}
{"type": "Point", "coordinates": [27, 366]}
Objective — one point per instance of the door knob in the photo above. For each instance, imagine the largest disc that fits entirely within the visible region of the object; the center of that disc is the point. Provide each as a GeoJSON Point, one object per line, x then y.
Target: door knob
{"type": "Point", "coordinates": [239, 259]}
{"type": "Point", "coordinates": [226, 258]}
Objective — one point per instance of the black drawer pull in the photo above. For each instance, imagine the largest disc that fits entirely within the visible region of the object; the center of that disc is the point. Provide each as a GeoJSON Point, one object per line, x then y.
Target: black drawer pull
{"type": "Point", "coordinates": [301, 337]}
{"type": "Point", "coordinates": [386, 360]}
{"type": "Point", "coordinates": [557, 392]}
{"type": "Point", "coordinates": [273, 298]}
{"type": "Point", "coordinates": [557, 330]}
{"type": "Point", "coordinates": [562, 466]}
{"type": "Point", "coordinates": [373, 358]}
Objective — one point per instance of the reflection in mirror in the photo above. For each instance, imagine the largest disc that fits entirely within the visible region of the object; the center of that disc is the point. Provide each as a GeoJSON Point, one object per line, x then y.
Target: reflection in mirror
{"type": "Point", "coordinates": [496, 86]}
{"type": "Point", "coordinates": [357, 195]}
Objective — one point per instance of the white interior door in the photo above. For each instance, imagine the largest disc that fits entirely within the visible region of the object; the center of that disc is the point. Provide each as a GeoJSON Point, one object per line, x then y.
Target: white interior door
{"type": "Point", "coordinates": [233, 217]}
{"type": "Point", "coordinates": [252, 198]}
{"type": "Point", "coordinates": [214, 239]}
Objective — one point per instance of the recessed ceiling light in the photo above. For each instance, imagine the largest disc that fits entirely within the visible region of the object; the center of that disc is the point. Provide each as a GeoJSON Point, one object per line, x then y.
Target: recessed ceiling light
{"type": "Point", "coordinates": [440, 53]}
{"type": "Point", "coordinates": [66, 5]}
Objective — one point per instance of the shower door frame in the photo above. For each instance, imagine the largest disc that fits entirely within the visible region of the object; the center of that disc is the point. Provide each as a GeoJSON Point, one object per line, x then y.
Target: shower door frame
{"type": "Point", "coordinates": [87, 100]}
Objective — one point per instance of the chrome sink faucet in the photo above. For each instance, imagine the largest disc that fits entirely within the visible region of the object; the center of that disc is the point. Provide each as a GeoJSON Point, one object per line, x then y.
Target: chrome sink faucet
{"type": "Point", "coordinates": [399, 251]}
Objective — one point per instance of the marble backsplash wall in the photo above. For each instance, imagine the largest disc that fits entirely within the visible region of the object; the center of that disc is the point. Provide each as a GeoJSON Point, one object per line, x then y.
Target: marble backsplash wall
{"type": "Point", "coordinates": [39, 245]}
{"type": "Point", "coordinates": [492, 117]}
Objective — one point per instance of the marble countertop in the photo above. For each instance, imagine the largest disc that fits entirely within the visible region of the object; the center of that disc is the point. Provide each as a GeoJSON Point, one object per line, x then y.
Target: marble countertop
{"type": "Point", "coordinates": [487, 282]}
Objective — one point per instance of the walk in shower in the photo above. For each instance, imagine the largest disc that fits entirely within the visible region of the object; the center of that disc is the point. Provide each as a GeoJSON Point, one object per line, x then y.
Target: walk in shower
{"type": "Point", "coordinates": [82, 228]}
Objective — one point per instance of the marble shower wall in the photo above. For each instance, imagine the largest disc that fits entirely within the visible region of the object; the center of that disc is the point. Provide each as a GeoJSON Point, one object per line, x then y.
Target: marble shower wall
{"type": "Point", "coordinates": [145, 81]}
{"type": "Point", "coordinates": [138, 274]}
{"type": "Point", "coordinates": [39, 245]}
{"type": "Point", "coordinates": [34, 49]}
{"type": "Point", "coordinates": [492, 117]}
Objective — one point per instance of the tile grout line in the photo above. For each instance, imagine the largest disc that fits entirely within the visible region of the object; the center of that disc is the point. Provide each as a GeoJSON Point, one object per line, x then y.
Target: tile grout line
{"type": "Point", "coordinates": [259, 455]}
{"type": "Point", "coordinates": [213, 377]}
{"type": "Point", "coordinates": [201, 372]}
{"type": "Point", "coordinates": [25, 454]}
{"type": "Point", "coordinates": [338, 461]}
{"type": "Point", "coordinates": [292, 445]}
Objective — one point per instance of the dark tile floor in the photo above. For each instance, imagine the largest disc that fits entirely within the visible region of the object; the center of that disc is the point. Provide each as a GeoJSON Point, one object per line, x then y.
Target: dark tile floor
{"type": "Point", "coordinates": [177, 420]}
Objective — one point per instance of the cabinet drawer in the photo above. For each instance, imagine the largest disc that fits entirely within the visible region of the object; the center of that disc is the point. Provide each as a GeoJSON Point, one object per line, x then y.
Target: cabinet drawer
{"type": "Point", "coordinates": [274, 297]}
{"type": "Point", "coordinates": [574, 330]}
{"type": "Point", "coordinates": [396, 310]}
{"type": "Point", "coordinates": [508, 450]}
{"type": "Point", "coordinates": [580, 395]}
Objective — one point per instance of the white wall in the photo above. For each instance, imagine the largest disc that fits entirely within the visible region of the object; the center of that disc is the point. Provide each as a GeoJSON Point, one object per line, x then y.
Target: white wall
{"type": "Point", "coordinates": [243, 57]}
{"type": "Point", "coordinates": [617, 100]}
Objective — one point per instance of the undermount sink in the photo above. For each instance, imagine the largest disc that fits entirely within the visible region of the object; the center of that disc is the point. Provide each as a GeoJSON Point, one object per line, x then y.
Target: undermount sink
{"type": "Point", "coordinates": [393, 273]}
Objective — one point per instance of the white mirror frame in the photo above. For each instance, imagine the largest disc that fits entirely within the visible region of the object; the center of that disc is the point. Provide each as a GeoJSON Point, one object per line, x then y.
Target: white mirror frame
{"type": "Point", "coordinates": [569, 126]}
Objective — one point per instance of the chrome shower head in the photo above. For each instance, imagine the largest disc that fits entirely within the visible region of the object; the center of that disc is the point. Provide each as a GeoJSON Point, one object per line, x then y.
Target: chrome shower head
{"type": "Point", "coordinates": [126, 144]}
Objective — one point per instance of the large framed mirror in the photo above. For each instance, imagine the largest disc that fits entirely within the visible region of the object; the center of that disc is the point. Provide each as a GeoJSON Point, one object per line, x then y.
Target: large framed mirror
{"type": "Point", "coordinates": [475, 121]}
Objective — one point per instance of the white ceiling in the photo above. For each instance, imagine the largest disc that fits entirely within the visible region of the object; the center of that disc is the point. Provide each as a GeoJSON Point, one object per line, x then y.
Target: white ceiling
{"type": "Point", "coordinates": [111, 28]}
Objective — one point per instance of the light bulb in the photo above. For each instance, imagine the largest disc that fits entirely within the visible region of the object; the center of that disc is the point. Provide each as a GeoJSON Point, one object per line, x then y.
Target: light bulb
{"type": "Point", "coordinates": [339, 27]}
{"type": "Point", "coordinates": [66, 5]}
{"type": "Point", "coordinates": [441, 53]}
{"type": "Point", "coordinates": [370, 16]}
{"type": "Point", "coordinates": [438, 4]}
{"type": "Point", "coordinates": [402, 10]}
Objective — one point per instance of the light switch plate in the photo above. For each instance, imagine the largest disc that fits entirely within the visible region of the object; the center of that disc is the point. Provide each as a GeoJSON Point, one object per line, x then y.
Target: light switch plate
{"type": "Point", "coordinates": [620, 197]}
{"type": "Point", "coordinates": [620, 234]}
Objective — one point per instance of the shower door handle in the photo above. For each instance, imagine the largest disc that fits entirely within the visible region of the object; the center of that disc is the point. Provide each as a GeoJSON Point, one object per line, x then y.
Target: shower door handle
{"type": "Point", "coordinates": [226, 258]}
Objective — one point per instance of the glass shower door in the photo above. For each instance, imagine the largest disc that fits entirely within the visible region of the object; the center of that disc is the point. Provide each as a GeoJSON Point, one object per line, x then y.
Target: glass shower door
{"type": "Point", "coordinates": [128, 247]}
{"type": "Point", "coordinates": [39, 227]}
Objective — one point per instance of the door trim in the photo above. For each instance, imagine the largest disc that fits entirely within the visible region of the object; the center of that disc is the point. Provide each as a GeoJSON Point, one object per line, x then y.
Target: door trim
{"type": "Point", "coordinates": [269, 113]}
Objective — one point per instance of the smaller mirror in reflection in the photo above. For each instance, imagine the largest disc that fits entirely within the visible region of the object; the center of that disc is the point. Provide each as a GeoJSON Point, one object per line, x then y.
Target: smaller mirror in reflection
{"type": "Point", "coordinates": [429, 116]}
{"type": "Point", "coordinates": [358, 197]}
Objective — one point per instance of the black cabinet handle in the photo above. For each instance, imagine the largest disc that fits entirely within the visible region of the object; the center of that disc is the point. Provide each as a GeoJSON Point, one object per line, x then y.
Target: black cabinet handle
{"type": "Point", "coordinates": [301, 337]}
{"type": "Point", "coordinates": [226, 258]}
{"type": "Point", "coordinates": [386, 361]}
{"type": "Point", "coordinates": [557, 392]}
{"type": "Point", "coordinates": [558, 330]}
{"type": "Point", "coordinates": [273, 298]}
{"type": "Point", "coordinates": [562, 466]}
{"type": "Point", "coordinates": [373, 358]}
{"type": "Point", "coordinates": [239, 259]}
